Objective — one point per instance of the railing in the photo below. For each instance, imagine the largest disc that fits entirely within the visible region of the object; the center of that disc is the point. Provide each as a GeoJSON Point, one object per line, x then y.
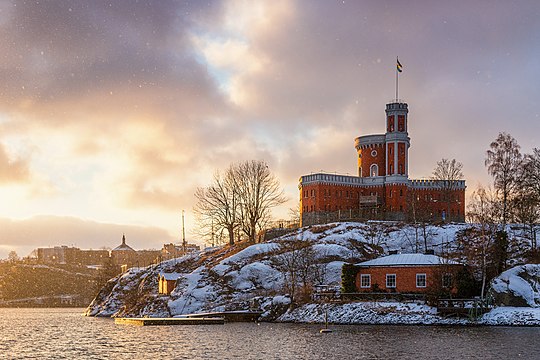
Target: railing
{"type": "Point", "coordinates": [472, 308]}
{"type": "Point", "coordinates": [341, 179]}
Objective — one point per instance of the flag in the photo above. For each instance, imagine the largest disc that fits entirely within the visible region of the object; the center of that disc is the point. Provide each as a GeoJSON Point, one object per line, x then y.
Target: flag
{"type": "Point", "coordinates": [399, 67]}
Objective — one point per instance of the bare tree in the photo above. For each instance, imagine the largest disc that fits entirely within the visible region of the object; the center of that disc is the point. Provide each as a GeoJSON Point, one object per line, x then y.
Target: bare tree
{"type": "Point", "coordinates": [483, 210]}
{"type": "Point", "coordinates": [530, 175]}
{"type": "Point", "coordinates": [448, 173]}
{"type": "Point", "coordinates": [526, 204]}
{"type": "Point", "coordinates": [217, 205]}
{"type": "Point", "coordinates": [239, 201]}
{"type": "Point", "coordinates": [294, 214]}
{"type": "Point", "coordinates": [289, 262]}
{"type": "Point", "coordinates": [420, 216]}
{"type": "Point", "coordinates": [259, 191]}
{"type": "Point", "coordinates": [503, 161]}
{"type": "Point", "coordinates": [13, 257]}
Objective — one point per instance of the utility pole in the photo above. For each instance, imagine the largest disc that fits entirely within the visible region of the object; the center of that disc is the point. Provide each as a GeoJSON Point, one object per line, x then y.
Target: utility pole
{"type": "Point", "coordinates": [212, 232]}
{"type": "Point", "coordinates": [183, 234]}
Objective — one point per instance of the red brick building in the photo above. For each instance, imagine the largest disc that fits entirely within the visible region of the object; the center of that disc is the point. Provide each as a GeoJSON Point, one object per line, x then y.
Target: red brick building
{"type": "Point", "coordinates": [382, 189]}
{"type": "Point", "coordinates": [407, 273]}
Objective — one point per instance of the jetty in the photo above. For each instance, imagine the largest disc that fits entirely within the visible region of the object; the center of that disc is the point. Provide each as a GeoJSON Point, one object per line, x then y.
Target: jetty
{"type": "Point", "coordinates": [170, 321]}
{"type": "Point", "coordinates": [228, 316]}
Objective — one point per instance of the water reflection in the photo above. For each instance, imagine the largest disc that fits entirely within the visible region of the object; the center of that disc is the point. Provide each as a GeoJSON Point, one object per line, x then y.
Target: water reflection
{"type": "Point", "coordinates": [65, 334]}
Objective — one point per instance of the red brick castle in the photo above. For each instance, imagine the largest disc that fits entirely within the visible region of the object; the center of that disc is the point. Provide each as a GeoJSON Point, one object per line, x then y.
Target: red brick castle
{"type": "Point", "coordinates": [382, 189]}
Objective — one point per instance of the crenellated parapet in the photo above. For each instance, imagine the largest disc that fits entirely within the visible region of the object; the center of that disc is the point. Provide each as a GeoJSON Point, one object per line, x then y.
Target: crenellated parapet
{"type": "Point", "coordinates": [438, 184]}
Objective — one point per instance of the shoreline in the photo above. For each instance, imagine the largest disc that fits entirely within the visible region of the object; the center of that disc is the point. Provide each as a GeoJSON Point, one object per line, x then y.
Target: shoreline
{"type": "Point", "coordinates": [395, 313]}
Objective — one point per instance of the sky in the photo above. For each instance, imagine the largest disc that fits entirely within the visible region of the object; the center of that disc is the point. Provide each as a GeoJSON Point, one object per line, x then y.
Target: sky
{"type": "Point", "coordinates": [112, 113]}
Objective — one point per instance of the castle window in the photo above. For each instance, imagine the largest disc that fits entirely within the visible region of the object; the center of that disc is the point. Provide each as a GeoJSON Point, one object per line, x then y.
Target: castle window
{"type": "Point", "coordinates": [401, 123]}
{"type": "Point", "coordinates": [400, 192]}
{"type": "Point", "coordinates": [390, 127]}
{"type": "Point", "coordinates": [374, 170]}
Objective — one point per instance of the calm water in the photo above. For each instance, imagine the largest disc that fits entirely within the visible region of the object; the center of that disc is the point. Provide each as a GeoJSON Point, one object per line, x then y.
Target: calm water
{"type": "Point", "coordinates": [65, 334]}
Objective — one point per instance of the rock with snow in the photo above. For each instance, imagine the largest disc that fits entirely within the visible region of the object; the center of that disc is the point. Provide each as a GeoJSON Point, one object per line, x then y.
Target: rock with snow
{"type": "Point", "coordinates": [518, 287]}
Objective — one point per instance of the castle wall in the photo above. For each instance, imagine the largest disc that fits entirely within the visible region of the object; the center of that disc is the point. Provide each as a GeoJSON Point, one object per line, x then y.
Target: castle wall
{"type": "Point", "coordinates": [382, 189]}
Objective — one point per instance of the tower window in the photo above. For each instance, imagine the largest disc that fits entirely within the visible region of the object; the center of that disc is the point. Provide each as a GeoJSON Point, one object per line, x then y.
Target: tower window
{"type": "Point", "coordinates": [374, 170]}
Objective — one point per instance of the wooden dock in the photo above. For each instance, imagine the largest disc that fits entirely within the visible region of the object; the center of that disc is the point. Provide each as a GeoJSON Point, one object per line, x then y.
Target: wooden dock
{"type": "Point", "coordinates": [229, 316]}
{"type": "Point", "coordinates": [170, 321]}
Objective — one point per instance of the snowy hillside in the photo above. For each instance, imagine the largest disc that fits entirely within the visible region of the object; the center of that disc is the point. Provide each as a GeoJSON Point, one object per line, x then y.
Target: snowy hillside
{"type": "Point", "coordinates": [229, 278]}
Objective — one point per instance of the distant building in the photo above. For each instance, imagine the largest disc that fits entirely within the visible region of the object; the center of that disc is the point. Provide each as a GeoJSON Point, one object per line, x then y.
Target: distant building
{"type": "Point", "coordinates": [382, 189]}
{"type": "Point", "coordinates": [124, 254]}
{"type": "Point", "coordinates": [171, 251]}
{"type": "Point", "coordinates": [167, 282]}
{"type": "Point", "coordinates": [71, 256]}
{"type": "Point", "coordinates": [407, 273]}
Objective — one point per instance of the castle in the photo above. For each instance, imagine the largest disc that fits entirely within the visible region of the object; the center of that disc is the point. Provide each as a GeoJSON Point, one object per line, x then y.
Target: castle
{"type": "Point", "coordinates": [382, 190]}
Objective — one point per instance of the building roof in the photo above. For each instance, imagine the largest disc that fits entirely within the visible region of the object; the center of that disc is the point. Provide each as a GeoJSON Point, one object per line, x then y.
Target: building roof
{"type": "Point", "coordinates": [408, 260]}
{"type": "Point", "coordinates": [169, 276]}
{"type": "Point", "coordinates": [123, 246]}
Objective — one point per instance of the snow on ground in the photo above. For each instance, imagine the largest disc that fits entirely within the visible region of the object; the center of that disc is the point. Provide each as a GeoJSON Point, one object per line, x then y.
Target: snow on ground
{"type": "Point", "coordinates": [369, 313]}
{"type": "Point", "coordinates": [512, 316]}
{"type": "Point", "coordinates": [393, 313]}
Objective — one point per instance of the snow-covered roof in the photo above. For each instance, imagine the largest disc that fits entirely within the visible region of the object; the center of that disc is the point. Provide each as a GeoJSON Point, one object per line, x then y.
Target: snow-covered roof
{"type": "Point", "coordinates": [408, 260]}
{"type": "Point", "coordinates": [169, 276]}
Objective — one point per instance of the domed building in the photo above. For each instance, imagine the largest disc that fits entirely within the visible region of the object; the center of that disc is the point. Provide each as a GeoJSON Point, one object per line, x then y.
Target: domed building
{"type": "Point", "coordinates": [124, 254]}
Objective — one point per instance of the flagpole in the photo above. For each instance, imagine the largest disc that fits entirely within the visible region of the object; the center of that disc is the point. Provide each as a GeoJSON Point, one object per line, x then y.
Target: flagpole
{"type": "Point", "coordinates": [396, 84]}
{"type": "Point", "coordinates": [396, 81]}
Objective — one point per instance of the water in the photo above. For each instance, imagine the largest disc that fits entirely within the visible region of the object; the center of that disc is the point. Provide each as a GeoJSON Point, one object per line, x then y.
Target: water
{"type": "Point", "coordinates": [65, 334]}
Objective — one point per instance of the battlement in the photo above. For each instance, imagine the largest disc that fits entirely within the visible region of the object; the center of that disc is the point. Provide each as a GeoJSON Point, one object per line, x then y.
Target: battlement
{"type": "Point", "coordinates": [438, 184]}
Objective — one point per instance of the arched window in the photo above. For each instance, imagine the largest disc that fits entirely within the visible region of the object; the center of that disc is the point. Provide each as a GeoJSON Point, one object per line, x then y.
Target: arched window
{"type": "Point", "coordinates": [374, 170]}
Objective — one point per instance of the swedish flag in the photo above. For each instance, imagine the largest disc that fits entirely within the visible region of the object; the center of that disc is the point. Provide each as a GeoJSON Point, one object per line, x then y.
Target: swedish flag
{"type": "Point", "coordinates": [399, 67]}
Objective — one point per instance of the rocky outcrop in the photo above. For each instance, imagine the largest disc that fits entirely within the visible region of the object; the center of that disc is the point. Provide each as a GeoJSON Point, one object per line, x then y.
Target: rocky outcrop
{"type": "Point", "coordinates": [518, 286]}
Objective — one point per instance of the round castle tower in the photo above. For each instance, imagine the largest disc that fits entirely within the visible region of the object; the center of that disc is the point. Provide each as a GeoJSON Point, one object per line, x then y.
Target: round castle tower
{"type": "Point", "coordinates": [386, 154]}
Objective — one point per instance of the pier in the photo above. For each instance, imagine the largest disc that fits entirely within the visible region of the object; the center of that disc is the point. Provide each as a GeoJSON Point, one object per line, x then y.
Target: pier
{"type": "Point", "coordinates": [229, 316]}
{"type": "Point", "coordinates": [170, 321]}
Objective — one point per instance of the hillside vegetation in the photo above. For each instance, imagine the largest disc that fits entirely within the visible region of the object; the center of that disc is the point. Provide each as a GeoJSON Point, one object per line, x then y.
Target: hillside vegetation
{"type": "Point", "coordinates": [31, 285]}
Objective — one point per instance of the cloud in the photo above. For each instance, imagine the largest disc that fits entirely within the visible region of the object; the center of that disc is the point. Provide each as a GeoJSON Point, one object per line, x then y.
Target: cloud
{"type": "Point", "coordinates": [118, 110]}
{"type": "Point", "coordinates": [13, 170]}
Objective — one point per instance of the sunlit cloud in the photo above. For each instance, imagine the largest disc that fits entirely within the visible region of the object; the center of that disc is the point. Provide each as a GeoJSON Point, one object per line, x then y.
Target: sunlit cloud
{"type": "Point", "coordinates": [117, 111]}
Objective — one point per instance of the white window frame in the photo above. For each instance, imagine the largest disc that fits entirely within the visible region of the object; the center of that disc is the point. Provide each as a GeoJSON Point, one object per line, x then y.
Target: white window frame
{"type": "Point", "coordinates": [362, 276]}
{"type": "Point", "coordinates": [374, 170]}
{"type": "Point", "coordinates": [395, 281]}
{"type": "Point", "coordinates": [425, 280]}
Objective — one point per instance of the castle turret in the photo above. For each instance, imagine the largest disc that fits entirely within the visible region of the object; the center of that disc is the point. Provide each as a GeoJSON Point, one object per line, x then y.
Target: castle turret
{"type": "Point", "coordinates": [397, 140]}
